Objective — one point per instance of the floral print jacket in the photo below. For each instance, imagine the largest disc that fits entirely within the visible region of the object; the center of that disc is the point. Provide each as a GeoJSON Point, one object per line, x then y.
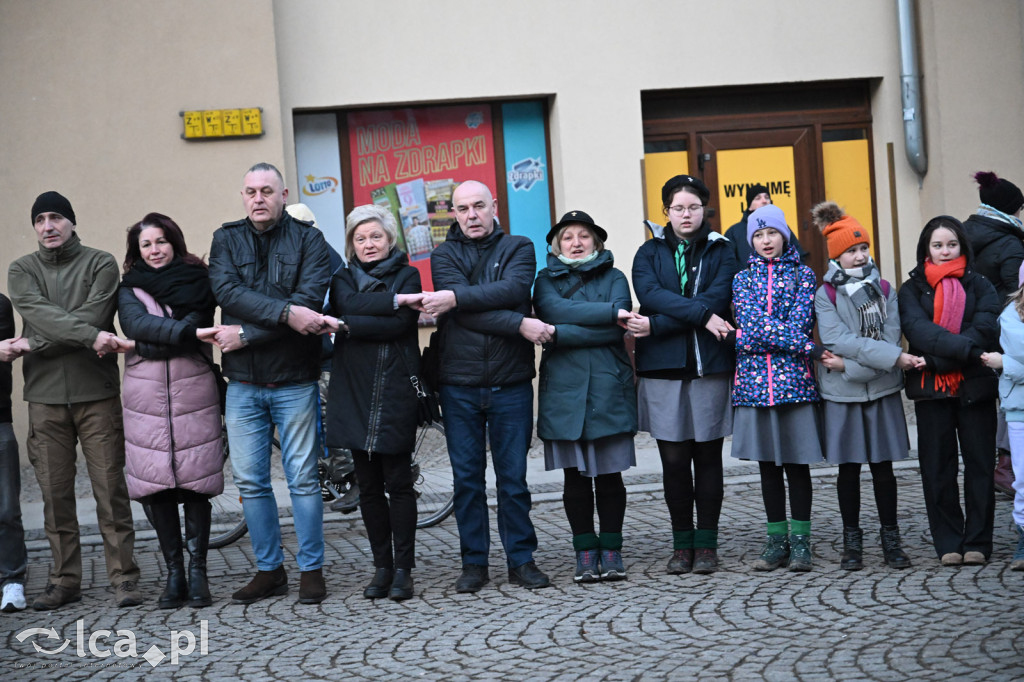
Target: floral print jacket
{"type": "Point", "coordinates": [774, 301]}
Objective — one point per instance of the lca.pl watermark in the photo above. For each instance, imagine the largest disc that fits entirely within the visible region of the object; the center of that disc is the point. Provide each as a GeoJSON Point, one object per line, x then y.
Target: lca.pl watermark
{"type": "Point", "coordinates": [182, 643]}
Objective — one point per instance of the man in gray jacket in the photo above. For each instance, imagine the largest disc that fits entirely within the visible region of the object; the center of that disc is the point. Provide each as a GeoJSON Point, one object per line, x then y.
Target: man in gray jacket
{"type": "Point", "coordinates": [66, 293]}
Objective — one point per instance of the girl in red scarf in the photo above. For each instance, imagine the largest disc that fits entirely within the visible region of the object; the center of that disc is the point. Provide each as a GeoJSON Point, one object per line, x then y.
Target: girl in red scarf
{"type": "Point", "coordinates": [949, 313]}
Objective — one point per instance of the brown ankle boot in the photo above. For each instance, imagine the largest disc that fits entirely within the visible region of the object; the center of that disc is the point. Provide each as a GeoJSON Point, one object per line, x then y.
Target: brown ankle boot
{"type": "Point", "coordinates": [264, 584]}
{"type": "Point", "coordinates": [312, 589]}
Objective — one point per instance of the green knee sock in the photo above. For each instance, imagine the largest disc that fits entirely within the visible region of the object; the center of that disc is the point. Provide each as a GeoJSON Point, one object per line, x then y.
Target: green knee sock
{"type": "Point", "coordinates": [585, 541]}
{"type": "Point", "coordinates": [778, 528]}
{"type": "Point", "coordinates": [682, 539]}
{"type": "Point", "coordinates": [611, 541]}
{"type": "Point", "coordinates": [801, 527]}
{"type": "Point", "coordinates": [705, 539]}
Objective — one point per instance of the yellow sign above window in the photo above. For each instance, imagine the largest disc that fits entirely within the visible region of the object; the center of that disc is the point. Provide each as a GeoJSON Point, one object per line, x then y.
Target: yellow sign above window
{"type": "Point", "coordinates": [220, 124]}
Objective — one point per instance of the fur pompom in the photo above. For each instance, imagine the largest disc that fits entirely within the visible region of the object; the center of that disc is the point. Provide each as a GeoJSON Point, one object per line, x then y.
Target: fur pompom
{"type": "Point", "coordinates": [826, 213]}
{"type": "Point", "coordinates": [986, 178]}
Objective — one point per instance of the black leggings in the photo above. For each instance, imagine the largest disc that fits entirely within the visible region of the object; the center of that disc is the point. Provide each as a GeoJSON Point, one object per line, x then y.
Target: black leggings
{"type": "Point", "coordinates": [848, 487]}
{"type": "Point", "coordinates": [580, 495]}
{"type": "Point", "coordinates": [773, 490]}
{"type": "Point", "coordinates": [703, 486]}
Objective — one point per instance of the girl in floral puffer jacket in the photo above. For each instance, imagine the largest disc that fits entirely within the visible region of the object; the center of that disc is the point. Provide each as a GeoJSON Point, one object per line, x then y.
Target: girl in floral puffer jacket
{"type": "Point", "coordinates": [776, 421]}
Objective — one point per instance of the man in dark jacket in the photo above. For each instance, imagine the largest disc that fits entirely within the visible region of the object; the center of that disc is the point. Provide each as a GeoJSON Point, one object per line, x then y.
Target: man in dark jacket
{"type": "Point", "coordinates": [757, 196]}
{"type": "Point", "coordinates": [482, 280]}
{"type": "Point", "coordinates": [997, 239]}
{"type": "Point", "coordinates": [270, 274]}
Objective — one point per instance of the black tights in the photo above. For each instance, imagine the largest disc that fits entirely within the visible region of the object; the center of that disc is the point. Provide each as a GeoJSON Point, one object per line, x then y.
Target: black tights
{"type": "Point", "coordinates": [773, 490]}
{"type": "Point", "coordinates": [848, 487]}
{"type": "Point", "coordinates": [579, 498]}
{"type": "Point", "coordinates": [702, 486]}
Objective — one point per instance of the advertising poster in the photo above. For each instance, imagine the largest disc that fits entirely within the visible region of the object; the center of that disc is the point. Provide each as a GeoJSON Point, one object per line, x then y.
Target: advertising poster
{"type": "Point", "coordinates": [526, 174]}
{"type": "Point", "coordinates": [319, 173]}
{"type": "Point", "coordinates": [772, 167]}
{"type": "Point", "coordinates": [409, 159]}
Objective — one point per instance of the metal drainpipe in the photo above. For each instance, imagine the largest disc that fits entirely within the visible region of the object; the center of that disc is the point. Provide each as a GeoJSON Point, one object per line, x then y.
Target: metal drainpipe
{"type": "Point", "coordinates": [910, 85]}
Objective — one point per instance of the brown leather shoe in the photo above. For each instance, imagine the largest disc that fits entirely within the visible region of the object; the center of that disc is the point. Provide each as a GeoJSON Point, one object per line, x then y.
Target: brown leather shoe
{"type": "Point", "coordinates": [56, 596]}
{"type": "Point", "coordinates": [264, 584]}
{"type": "Point", "coordinates": [312, 589]}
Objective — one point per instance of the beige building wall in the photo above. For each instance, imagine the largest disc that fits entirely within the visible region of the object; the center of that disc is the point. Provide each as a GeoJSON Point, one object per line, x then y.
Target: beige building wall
{"type": "Point", "coordinates": [91, 95]}
{"type": "Point", "coordinates": [595, 58]}
{"type": "Point", "coordinates": [92, 91]}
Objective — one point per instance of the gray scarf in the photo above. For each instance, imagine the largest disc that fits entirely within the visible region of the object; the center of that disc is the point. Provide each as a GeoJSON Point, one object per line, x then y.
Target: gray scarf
{"type": "Point", "coordinates": [863, 286]}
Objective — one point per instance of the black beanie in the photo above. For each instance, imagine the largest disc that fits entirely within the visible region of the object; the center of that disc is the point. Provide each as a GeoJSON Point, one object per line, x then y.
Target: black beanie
{"type": "Point", "coordinates": [754, 190]}
{"type": "Point", "coordinates": [1000, 194]}
{"type": "Point", "coordinates": [53, 202]}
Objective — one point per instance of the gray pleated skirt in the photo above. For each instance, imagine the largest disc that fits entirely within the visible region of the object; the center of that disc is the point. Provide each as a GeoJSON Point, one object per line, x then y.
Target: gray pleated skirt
{"type": "Point", "coordinates": [783, 434]}
{"type": "Point", "coordinates": [592, 457]}
{"type": "Point", "coordinates": [678, 410]}
{"type": "Point", "coordinates": [860, 433]}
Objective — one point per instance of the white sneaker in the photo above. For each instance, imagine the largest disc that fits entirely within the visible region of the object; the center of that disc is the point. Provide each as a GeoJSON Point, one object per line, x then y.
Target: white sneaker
{"type": "Point", "coordinates": [14, 598]}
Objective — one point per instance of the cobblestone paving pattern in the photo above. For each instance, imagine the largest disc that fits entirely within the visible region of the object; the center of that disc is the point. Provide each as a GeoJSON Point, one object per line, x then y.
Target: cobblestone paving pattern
{"type": "Point", "coordinates": [923, 623]}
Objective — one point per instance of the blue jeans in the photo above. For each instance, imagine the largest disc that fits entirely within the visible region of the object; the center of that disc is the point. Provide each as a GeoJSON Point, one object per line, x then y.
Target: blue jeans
{"type": "Point", "coordinates": [507, 413]}
{"type": "Point", "coordinates": [13, 555]}
{"type": "Point", "coordinates": [252, 413]}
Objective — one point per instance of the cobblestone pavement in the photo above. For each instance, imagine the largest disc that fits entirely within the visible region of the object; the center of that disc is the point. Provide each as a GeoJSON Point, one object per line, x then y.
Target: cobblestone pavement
{"type": "Point", "coordinates": [926, 622]}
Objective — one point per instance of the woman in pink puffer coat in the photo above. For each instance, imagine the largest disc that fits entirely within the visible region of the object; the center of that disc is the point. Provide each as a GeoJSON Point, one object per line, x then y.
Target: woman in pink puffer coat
{"type": "Point", "coordinates": [172, 417]}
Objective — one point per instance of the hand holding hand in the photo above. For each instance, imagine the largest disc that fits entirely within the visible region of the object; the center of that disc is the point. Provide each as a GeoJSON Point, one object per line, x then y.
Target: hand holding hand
{"type": "Point", "coordinates": [207, 334]}
{"type": "Point", "coordinates": [304, 320]}
{"type": "Point", "coordinates": [832, 361]}
{"type": "Point", "coordinates": [639, 325]}
{"type": "Point", "coordinates": [332, 325]}
{"type": "Point", "coordinates": [536, 331]}
{"type": "Point", "coordinates": [437, 303]}
{"type": "Point", "coordinates": [992, 360]}
{"type": "Point", "coordinates": [719, 327]}
{"type": "Point", "coordinates": [414, 301]}
{"type": "Point", "coordinates": [9, 349]}
{"type": "Point", "coordinates": [227, 337]}
{"type": "Point", "coordinates": [908, 361]}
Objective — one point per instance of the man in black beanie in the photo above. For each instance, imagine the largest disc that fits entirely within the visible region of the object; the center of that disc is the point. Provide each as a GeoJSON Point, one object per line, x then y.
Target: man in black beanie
{"type": "Point", "coordinates": [66, 294]}
{"type": "Point", "coordinates": [757, 196]}
{"type": "Point", "coordinates": [997, 238]}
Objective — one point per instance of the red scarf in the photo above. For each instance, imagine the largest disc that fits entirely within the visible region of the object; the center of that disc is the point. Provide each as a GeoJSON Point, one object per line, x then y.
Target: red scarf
{"type": "Point", "coordinates": [950, 300]}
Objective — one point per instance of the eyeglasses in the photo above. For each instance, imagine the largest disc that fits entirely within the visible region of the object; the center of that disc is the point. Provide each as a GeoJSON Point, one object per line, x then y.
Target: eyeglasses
{"type": "Point", "coordinates": [682, 210]}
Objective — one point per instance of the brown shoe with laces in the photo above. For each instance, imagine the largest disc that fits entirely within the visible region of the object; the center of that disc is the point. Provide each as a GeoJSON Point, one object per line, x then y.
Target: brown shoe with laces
{"type": "Point", "coordinates": [127, 594]}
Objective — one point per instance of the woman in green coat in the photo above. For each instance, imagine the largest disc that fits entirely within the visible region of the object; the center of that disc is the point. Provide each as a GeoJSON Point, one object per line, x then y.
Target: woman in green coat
{"type": "Point", "coordinates": [587, 400]}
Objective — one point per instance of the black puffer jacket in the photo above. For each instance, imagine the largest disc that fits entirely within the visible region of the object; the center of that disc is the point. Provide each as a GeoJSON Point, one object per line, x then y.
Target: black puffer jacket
{"type": "Point", "coordinates": [480, 340]}
{"type": "Point", "coordinates": [254, 275]}
{"type": "Point", "coordinates": [372, 403]}
{"type": "Point", "coordinates": [998, 251]}
{"type": "Point", "coordinates": [943, 350]}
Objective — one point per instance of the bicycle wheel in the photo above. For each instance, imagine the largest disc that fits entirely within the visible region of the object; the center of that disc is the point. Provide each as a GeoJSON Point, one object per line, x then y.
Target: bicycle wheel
{"type": "Point", "coordinates": [228, 521]}
{"type": "Point", "coordinates": [432, 476]}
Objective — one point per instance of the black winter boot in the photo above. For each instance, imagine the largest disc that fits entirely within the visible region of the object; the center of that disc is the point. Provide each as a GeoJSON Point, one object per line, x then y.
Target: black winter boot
{"type": "Point", "coordinates": [164, 517]}
{"type": "Point", "coordinates": [853, 550]}
{"type": "Point", "coordinates": [892, 548]}
{"type": "Point", "coordinates": [197, 536]}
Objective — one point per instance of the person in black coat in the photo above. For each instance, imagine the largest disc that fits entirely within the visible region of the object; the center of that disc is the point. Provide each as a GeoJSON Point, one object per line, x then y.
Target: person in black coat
{"type": "Point", "coordinates": [683, 281]}
{"type": "Point", "coordinates": [949, 316]}
{"type": "Point", "coordinates": [372, 405]}
{"type": "Point", "coordinates": [997, 239]}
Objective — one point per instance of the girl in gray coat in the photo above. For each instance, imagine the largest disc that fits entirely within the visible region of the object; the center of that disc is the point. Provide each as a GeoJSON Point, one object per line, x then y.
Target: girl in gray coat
{"type": "Point", "coordinates": [860, 379]}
